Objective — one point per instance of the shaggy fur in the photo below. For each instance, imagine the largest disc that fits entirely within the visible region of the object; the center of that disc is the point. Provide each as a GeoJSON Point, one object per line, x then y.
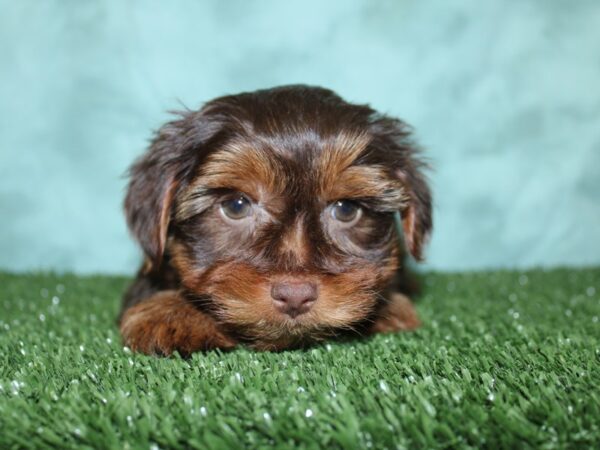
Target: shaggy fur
{"type": "Point", "coordinates": [290, 272]}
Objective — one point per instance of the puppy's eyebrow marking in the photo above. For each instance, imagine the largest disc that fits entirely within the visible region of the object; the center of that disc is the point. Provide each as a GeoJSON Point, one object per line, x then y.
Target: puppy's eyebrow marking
{"type": "Point", "coordinates": [340, 179]}
{"type": "Point", "coordinates": [238, 162]}
{"type": "Point", "coordinates": [238, 167]}
{"type": "Point", "coordinates": [339, 152]}
{"type": "Point", "coordinates": [369, 182]}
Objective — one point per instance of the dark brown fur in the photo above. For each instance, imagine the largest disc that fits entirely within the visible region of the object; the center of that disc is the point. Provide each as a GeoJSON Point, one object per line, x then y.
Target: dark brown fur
{"type": "Point", "coordinates": [293, 151]}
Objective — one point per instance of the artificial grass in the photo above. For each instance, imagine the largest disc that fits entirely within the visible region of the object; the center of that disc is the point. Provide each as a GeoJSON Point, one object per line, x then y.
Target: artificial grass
{"type": "Point", "coordinates": [503, 360]}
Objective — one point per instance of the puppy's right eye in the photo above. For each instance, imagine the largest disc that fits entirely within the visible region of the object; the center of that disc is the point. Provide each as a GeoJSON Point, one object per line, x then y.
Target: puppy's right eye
{"type": "Point", "coordinates": [236, 208]}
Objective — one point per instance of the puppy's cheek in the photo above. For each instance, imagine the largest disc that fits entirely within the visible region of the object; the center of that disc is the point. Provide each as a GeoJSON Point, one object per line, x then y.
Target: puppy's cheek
{"type": "Point", "coordinates": [189, 271]}
{"type": "Point", "coordinates": [388, 268]}
{"type": "Point", "coordinates": [337, 310]}
{"type": "Point", "coordinates": [243, 311]}
{"type": "Point", "coordinates": [349, 297]}
{"type": "Point", "coordinates": [241, 294]}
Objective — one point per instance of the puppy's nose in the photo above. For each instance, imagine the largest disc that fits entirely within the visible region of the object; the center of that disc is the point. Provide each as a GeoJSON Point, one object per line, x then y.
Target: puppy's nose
{"type": "Point", "coordinates": [294, 297]}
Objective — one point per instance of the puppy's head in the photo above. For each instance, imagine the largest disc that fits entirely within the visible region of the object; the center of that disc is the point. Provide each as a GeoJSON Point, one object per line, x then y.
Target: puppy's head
{"type": "Point", "coordinates": [277, 208]}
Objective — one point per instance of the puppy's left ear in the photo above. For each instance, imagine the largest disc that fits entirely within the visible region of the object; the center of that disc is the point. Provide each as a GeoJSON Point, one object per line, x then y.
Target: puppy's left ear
{"type": "Point", "coordinates": [393, 138]}
{"type": "Point", "coordinates": [416, 217]}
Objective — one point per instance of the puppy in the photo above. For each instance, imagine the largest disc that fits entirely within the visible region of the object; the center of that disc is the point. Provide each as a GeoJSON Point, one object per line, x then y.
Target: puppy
{"type": "Point", "coordinates": [268, 219]}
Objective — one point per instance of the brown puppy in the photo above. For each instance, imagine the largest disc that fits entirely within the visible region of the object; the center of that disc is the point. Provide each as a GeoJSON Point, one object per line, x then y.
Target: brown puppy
{"type": "Point", "coordinates": [268, 219]}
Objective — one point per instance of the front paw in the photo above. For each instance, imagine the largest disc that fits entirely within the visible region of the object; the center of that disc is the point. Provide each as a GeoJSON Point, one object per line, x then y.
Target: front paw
{"type": "Point", "coordinates": [397, 315]}
{"type": "Point", "coordinates": [166, 323]}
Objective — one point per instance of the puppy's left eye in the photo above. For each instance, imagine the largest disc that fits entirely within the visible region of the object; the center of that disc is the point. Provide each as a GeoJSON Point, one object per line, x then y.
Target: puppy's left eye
{"type": "Point", "coordinates": [237, 208]}
{"type": "Point", "coordinates": [346, 211]}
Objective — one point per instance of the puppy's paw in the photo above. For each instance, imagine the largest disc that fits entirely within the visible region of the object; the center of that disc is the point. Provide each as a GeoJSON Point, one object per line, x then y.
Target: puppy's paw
{"type": "Point", "coordinates": [397, 315]}
{"type": "Point", "coordinates": [165, 323]}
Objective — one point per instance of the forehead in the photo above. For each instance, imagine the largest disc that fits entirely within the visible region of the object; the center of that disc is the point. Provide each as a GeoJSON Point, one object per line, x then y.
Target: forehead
{"type": "Point", "coordinates": [326, 166]}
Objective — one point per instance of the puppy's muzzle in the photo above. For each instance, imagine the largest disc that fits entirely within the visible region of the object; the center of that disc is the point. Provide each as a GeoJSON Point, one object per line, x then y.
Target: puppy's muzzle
{"type": "Point", "coordinates": [294, 297]}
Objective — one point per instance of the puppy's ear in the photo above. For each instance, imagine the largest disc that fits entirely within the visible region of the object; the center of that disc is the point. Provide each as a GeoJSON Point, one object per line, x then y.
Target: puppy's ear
{"type": "Point", "coordinates": [393, 138]}
{"type": "Point", "coordinates": [156, 177]}
{"type": "Point", "coordinates": [416, 216]}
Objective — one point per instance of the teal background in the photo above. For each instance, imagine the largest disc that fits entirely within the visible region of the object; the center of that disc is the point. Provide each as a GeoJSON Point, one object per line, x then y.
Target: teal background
{"type": "Point", "coordinates": [504, 95]}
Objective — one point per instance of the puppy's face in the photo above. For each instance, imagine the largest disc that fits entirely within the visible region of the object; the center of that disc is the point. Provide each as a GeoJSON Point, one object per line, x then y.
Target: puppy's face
{"type": "Point", "coordinates": [277, 208]}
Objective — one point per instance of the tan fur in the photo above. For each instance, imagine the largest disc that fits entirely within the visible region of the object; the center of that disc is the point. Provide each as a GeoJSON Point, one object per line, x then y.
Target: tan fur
{"type": "Point", "coordinates": [338, 155]}
{"type": "Point", "coordinates": [364, 182]}
{"type": "Point", "coordinates": [244, 300]}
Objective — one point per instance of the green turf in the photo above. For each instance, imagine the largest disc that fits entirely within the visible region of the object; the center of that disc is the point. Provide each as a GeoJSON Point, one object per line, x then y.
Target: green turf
{"type": "Point", "coordinates": [504, 360]}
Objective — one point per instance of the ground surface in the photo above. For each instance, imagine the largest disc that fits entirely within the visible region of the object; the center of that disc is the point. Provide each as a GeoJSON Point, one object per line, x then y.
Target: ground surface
{"type": "Point", "coordinates": [504, 360]}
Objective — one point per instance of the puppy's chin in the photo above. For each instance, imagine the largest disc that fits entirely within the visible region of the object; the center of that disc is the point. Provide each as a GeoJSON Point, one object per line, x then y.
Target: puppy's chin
{"type": "Point", "coordinates": [240, 298]}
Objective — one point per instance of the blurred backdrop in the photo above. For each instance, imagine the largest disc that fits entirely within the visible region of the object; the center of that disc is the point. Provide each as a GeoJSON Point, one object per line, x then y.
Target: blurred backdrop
{"type": "Point", "coordinates": [504, 95]}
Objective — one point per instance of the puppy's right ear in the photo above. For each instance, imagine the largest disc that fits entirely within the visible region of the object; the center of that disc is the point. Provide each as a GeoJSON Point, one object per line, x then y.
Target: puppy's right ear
{"type": "Point", "coordinates": [156, 177]}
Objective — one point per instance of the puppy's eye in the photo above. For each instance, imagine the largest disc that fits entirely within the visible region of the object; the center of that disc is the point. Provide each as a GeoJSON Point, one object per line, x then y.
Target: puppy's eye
{"type": "Point", "coordinates": [345, 211]}
{"type": "Point", "coordinates": [237, 208]}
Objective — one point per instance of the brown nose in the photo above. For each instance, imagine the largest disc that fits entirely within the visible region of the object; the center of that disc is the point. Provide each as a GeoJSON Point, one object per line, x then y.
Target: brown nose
{"type": "Point", "coordinates": [294, 297]}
